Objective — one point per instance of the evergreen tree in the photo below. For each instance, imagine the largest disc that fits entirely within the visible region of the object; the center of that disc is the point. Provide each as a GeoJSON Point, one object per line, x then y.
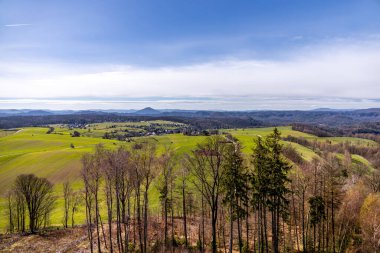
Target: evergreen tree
{"type": "Point", "coordinates": [278, 189]}
{"type": "Point", "coordinates": [269, 183]}
{"type": "Point", "coordinates": [260, 183]}
{"type": "Point", "coordinates": [234, 187]}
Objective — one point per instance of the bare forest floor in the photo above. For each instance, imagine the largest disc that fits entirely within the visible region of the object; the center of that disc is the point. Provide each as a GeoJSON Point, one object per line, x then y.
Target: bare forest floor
{"type": "Point", "coordinates": [76, 240]}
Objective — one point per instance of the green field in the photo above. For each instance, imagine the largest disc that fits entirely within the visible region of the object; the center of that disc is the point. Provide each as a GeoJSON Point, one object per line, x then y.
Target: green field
{"type": "Point", "coordinates": [32, 150]}
{"type": "Point", "coordinates": [98, 130]}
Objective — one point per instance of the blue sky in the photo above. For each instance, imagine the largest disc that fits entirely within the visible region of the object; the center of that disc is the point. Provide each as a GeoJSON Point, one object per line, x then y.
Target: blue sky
{"type": "Point", "coordinates": [189, 54]}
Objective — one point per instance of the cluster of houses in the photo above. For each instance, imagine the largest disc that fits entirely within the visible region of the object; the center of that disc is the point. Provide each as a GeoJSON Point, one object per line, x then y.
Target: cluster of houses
{"type": "Point", "coordinates": [153, 129]}
{"type": "Point", "coordinates": [157, 129]}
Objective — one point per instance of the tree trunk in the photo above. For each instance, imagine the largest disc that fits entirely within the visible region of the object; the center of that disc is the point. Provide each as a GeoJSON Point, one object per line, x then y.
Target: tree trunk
{"type": "Point", "coordinates": [89, 225]}
{"type": "Point", "coordinates": [214, 218]}
{"type": "Point", "coordinates": [304, 246]}
{"type": "Point", "coordinates": [97, 220]}
{"type": "Point", "coordinates": [109, 207]}
{"type": "Point", "coordinates": [239, 233]}
{"type": "Point", "coordinates": [172, 215]}
{"type": "Point", "coordinates": [265, 229]}
{"type": "Point", "coordinates": [166, 222]}
{"type": "Point", "coordinates": [103, 233]}
{"type": "Point", "coordinates": [332, 222]}
{"type": "Point", "coordinates": [295, 223]}
{"type": "Point", "coordinates": [127, 225]}
{"type": "Point", "coordinates": [145, 219]}
{"type": "Point", "coordinates": [203, 223]}
{"type": "Point", "coordinates": [184, 214]}
{"type": "Point", "coordinates": [231, 231]}
{"type": "Point", "coordinates": [139, 228]}
{"type": "Point", "coordinates": [118, 221]}
{"type": "Point", "coordinates": [72, 217]}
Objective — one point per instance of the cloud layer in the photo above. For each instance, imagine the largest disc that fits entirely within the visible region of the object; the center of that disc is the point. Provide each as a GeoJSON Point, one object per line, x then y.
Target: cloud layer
{"type": "Point", "coordinates": [346, 69]}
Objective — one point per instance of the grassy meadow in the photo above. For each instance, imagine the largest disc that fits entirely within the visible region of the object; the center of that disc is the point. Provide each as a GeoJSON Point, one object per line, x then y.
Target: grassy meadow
{"type": "Point", "coordinates": [57, 156]}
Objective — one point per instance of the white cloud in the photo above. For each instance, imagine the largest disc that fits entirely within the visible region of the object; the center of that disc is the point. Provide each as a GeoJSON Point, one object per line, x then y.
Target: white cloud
{"type": "Point", "coordinates": [16, 25]}
{"type": "Point", "coordinates": [344, 69]}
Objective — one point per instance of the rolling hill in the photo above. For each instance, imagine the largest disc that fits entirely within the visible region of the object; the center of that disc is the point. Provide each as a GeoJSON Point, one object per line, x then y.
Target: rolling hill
{"type": "Point", "coordinates": [57, 156]}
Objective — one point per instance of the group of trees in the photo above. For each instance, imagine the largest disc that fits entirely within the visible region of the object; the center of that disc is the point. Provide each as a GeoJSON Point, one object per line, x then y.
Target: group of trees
{"type": "Point", "coordinates": [369, 151]}
{"type": "Point", "coordinates": [270, 200]}
{"type": "Point", "coordinates": [316, 206]}
{"type": "Point", "coordinates": [216, 171]}
{"type": "Point", "coordinates": [125, 176]}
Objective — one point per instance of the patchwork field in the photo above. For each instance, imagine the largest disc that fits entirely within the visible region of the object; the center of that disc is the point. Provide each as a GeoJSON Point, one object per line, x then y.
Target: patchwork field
{"type": "Point", "coordinates": [57, 155]}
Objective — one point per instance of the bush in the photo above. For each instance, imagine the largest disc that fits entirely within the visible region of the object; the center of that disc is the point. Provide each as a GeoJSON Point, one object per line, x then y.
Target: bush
{"type": "Point", "coordinates": [179, 241]}
{"type": "Point", "coordinates": [131, 247]}
{"type": "Point", "coordinates": [75, 134]}
{"type": "Point", "coordinates": [51, 129]}
{"type": "Point", "coordinates": [245, 248]}
{"type": "Point", "coordinates": [157, 246]}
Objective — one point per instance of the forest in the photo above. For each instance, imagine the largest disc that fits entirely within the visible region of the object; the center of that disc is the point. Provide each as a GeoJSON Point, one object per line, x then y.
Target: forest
{"type": "Point", "coordinates": [213, 199]}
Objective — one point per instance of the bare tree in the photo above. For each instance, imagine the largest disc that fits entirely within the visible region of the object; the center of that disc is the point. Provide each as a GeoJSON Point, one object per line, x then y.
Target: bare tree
{"type": "Point", "coordinates": [143, 172]}
{"type": "Point", "coordinates": [88, 163]}
{"type": "Point", "coordinates": [121, 177]}
{"type": "Point", "coordinates": [11, 203]}
{"type": "Point", "coordinates": [207, 167]}
{"type": "Point", "coordinates": [166, 165]}
{"type": "Point", "coordinates": [67, 196]}
{"type": "Point", "coordinates": [184, 176]}
{"type": "Point", "coordinates": [76, 201]}
{"type": "Point", "coordinates": [38, 195]}
{"type": "Point", "coordinates": [109, 176]}
{"type": "Point", "coordinates": [137, 177]}
{"type": "Point", "coordinates": [149, 173]}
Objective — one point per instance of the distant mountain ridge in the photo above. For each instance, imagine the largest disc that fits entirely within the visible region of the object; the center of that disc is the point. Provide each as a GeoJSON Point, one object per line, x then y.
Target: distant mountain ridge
{"type": "Point", "coordinates": [147, 111]}
{"type": "Point", "coordinates": [199, 119]}
{"type": "Point", "coordinates": [320, 116]}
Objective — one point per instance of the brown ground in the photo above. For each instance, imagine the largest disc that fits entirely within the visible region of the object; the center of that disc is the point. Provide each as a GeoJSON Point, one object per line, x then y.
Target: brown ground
{"type": "Point", "coordinates": [75, 239]}
{"type": "Point", "coordinates": [58, 240]}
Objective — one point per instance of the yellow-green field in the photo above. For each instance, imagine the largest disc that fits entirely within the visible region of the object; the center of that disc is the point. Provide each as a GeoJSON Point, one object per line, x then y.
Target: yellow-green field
{"type": "Point", "coordinates": [99, 129]}
{"type": "Point", "coordinates": [32, 150]}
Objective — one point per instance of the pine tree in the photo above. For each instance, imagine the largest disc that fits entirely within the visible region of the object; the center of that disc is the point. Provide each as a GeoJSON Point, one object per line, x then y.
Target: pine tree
{"type": "Point", "coordinates": [234, 188]}
{"type": "Point", "coordinates": [269, 183]}
{"type": "Point", "coordinates": [278, 180]}
{"type": "Point", "coordinates": [260, 183]}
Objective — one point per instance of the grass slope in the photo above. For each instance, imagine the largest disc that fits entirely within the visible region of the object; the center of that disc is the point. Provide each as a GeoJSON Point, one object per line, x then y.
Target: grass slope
{"type": "Point", "coordinates": [32, 150]}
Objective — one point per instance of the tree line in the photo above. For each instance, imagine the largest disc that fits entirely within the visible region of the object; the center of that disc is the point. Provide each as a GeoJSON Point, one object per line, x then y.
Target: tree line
{"type": "Point", "coordinates": [213, 199]}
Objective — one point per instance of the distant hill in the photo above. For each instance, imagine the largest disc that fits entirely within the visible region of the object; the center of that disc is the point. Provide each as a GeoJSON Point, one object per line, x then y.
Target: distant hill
{"type": "Point", "coordinates": [331, 110]}
{"type": "Point", "coordinates": [147, 111]}
{"type": "Point", "coordinates": [24, 112]}
{"type": "Point", "coordinates": [368, 119]}
{"type": "Point", "coordinates": [38, 113]}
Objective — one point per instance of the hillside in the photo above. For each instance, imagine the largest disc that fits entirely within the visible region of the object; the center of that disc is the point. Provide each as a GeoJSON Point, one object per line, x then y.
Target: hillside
{"type": "Point", "coordinates": [57, 156]}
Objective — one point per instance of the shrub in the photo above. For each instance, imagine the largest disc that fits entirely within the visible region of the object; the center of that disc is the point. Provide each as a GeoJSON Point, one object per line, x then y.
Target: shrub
{"type": "Point", "coordinates": [75, 134]}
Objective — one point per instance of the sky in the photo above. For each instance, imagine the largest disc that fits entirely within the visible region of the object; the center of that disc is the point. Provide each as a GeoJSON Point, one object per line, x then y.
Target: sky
{"type": "Point", "coordinates": [182, 54]}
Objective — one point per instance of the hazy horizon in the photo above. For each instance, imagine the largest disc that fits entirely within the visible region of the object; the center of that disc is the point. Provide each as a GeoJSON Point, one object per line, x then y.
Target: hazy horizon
{"type": "Point", "coordinates": [233, 104]}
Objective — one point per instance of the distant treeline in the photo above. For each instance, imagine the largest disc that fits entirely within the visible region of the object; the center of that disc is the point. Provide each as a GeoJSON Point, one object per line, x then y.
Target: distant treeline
{"type": "Point", "coordinates": [371, 153]}
{"type": "Point", "coordinates": [360, 123]}
{"type": "Point", "coordinates": [366, 130]}
{"type": "Point", "coordinates": [82, 119]}
{"type": "Point", "coordinates": [329, 122]}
